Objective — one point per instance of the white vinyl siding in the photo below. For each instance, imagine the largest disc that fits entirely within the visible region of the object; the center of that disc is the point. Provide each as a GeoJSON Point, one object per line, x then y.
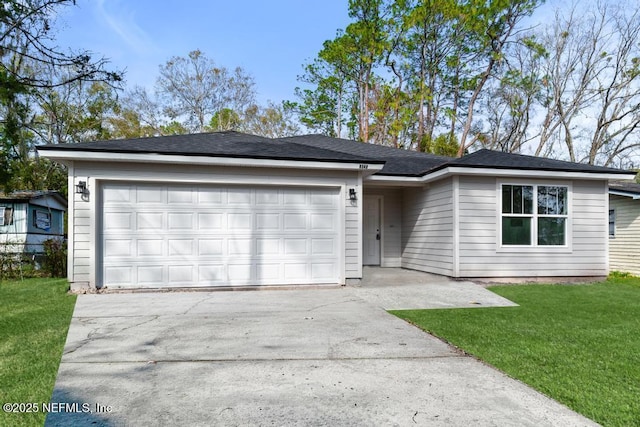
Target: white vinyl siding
{"type": "Point", "coordinates": [427, 228]}
{"type": "Point", "coordinates": [624, 247]}
{"type": "Point", "coordinates": [480, 253]}
{"type": "Point", "coordinates": [83, 233]}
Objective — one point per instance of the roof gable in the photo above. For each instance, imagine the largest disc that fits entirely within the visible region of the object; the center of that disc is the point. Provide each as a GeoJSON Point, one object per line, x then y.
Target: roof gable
{"type": "Point", "coordinates": [397, 161]}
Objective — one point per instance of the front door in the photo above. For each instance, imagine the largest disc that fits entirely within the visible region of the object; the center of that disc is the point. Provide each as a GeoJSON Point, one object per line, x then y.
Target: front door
{"type": "Point", "coordinates": [371, 230]}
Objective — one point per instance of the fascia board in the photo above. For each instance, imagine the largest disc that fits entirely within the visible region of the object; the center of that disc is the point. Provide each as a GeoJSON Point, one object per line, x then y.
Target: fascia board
{"type": "Point", "coordinates": [64, 156]}
{"type": "Point", "coordinates": [456, 170]}
{"type": "Point", "coordinates": [624, 194]}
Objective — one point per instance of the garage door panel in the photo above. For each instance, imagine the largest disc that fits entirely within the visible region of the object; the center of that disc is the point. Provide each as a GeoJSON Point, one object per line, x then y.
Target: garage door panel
{"type": "Point", "coordinates": [150, 247]}
{"type": "Point", "coordinates": [239, 221]}
{"type": "Point", "coordinates": [268, 222]}
{"type": "Point", "coordinates": [323, 221]}
{"type": "Point", "coordinates": [180, 195]}
{"type": "Point", "coordinates": [295, 246]}
{"type": "Point", "coordinates": [211, 275]}
{"type": "Point", "coordinates": [295, 272]}
{"type": "Point", "coordinates": [150, 195]}
{"type": "Point", "coordinates": [295, 198]}
{"type": "Point", "coordinates": [323, 199]}
{"type": "Point", "coordinates": [239, 196]}
{"type": "Point", "coordinates": [321, 271]}
{"type": "Point", "coordinates": [269, 247]}
{"type": "Point", "coordinates": [150, 274]}
{"type": "Point", "coordinates": [323, 246]}
{"type": "Point", "coordinates": [180, 247]}
{"type": "Point", "coordinates": [117, 247]}
{"type": "Point", "coordinates": [210, 221]}
{"type": "Point", "coordinates": [240, 273]}
{"type": "Point", "coordinates": [180, 221]}
{"type": "Point", "coordinates": [168, 235]}
{"type": "Point", "coordinates": [181, 274]}
{"type": "Point", "coordinates": [210, 247]}
{"type": "Point", "coordinates": [295, 221]}
{"type": "Point", "coordinates": [240, 247]}
{"type": "Point", "coordinates": [118, 194]}
{"type": "Point", "coordinates": [148, 221]}
{"type": "Point", "coordinates": [118, 274]}
{"type": "Point", "coordinates": [270, 197]}
{"type": "Point", "coordinates": [268, 273]}
{"type": "Point", "coordinates": [120, 221]}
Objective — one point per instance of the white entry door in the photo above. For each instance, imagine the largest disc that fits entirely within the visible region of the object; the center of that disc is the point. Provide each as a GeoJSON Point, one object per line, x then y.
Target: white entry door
{"type": "Point", "coordinates": [371, 230]}
{"type": "Point", "coordinates": [166, 235]}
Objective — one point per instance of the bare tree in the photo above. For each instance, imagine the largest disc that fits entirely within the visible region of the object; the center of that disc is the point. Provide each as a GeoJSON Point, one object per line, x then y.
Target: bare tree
{"type": "Point", "coordinates": [592, 84]}
{"type": "Point", "coordinates": [194, 88]}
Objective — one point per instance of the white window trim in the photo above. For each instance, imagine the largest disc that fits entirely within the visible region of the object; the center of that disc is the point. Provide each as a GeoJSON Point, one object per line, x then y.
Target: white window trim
{"type": "Point", "coordinates": [535, 247]}
{"type": "Point", "coordinates": [2, 212]}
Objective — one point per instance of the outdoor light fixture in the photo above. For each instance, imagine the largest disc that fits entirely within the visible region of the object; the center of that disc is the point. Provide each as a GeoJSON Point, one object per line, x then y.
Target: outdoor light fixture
{"type": "Point", "coordinates": [81, 187]}
{"type": "Point", "coordinates": [352, 194]}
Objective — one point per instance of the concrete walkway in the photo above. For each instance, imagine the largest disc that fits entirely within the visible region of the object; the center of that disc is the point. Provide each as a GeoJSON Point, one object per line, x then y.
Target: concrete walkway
{"type": "Point", "coordinates": [294, 357]}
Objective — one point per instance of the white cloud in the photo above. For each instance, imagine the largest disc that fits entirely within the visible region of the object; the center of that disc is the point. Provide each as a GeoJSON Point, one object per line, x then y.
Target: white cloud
{"type": "Point", "coordinates": [122, 21]}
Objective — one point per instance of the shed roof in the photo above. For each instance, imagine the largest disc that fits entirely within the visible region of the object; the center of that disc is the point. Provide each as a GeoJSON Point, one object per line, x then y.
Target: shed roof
{"type": "Point", "coordinates": [31, 196]}
{"type": "Point", "coordinates": [624, 188]}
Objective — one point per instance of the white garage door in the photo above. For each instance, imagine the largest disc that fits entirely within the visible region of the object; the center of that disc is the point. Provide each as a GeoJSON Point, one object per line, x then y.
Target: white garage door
{"type": "Point", "coordinates": [177, 236]}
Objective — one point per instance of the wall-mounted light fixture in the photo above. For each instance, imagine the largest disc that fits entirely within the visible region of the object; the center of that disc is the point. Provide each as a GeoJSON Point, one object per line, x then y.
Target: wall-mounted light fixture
{"type": "Point", "coordinates": [81, 187]}
{"type": "Point", "coordinates": [352, 194]}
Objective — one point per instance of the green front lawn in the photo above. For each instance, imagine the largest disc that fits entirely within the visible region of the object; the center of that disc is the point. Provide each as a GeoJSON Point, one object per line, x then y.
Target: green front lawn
{"type": "Point", "coordinates": [34, 319]}
{"type": "Point", "coordinates": [579, 344]}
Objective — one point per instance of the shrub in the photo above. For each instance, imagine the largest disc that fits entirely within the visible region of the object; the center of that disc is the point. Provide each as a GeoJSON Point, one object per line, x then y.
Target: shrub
{"type": "Point", "coordinates": [620, 275]}
{"type": "Point", "coordinates": [55, 257]}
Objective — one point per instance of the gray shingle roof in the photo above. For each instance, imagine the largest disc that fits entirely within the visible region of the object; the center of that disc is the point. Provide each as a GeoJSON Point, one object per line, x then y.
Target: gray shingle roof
{"type": "Point", "coordinates": [499, 160]}
{"type": "Point", "coordinates": [625, 187]}
{"type": "Point", "coordinates": [219, 144]}
{"type": "Point", "coordinates": [26, 195]}
{"type": "Point", "coordinates": [397, 162]}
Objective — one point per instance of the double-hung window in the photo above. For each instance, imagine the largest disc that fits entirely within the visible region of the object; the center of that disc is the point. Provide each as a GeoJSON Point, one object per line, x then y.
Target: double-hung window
{"type": "Point", "coordinates": [534, 215]}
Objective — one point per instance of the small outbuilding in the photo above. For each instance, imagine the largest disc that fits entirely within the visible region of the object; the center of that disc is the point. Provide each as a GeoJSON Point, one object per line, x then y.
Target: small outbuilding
{"type": "Point", "coordinates": [624, 227]}
{"type": "Point", "coordinates": [28, 218]}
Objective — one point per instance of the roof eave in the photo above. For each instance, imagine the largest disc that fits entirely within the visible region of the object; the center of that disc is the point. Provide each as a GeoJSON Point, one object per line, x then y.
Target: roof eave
{"type": "Point", "coordinates": [68, 156]}
{"type": "Point", "coordinates": [630, 194]}
{"type": "Point", "coordinates": [446, 171]}
{"type": "Point", "coordinates": [528, 173]}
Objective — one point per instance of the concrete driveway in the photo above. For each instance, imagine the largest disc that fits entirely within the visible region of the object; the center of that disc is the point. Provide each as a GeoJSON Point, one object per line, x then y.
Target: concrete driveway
{"type": "Point", "coordinates": [288, 357]}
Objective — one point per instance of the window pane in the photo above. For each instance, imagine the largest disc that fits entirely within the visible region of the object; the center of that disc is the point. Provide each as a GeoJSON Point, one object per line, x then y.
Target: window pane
{"type": "Point", "coordinates": [612, 222]}
{"type": "Point", "coordinates": [517, 199]}
{"type": "Point", "coordinates": [551, 231]}
{"type": "Point", "coordinates": [516, 231]}
{"type": "Point", "coordinates": [552, 200]}
{"type": "Point", "coordinates": [506, 199]}
{"type": "Point", "coordinates": [527, 193]}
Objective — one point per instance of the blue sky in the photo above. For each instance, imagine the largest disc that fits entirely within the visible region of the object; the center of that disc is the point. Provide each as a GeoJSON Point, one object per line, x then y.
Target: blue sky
{"type": "Point", "coordinates": [269, 39]}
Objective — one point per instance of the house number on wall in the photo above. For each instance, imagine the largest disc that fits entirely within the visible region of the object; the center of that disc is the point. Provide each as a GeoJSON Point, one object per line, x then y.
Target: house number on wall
{"type": "Point", "coordinates": [364, 166]}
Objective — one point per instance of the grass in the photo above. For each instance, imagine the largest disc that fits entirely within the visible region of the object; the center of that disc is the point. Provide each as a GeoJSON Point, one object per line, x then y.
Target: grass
{"type": "Point", "coordinates": [34, 319]}
{"type": "Point", "coordinates": [578, 344]}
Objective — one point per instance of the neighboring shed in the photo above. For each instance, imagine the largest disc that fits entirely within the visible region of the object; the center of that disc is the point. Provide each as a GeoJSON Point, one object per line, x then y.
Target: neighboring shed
{"type": "Point", "coordinates": [624, 227]}
{"type": "Point", "coordinates": [28, 218]}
